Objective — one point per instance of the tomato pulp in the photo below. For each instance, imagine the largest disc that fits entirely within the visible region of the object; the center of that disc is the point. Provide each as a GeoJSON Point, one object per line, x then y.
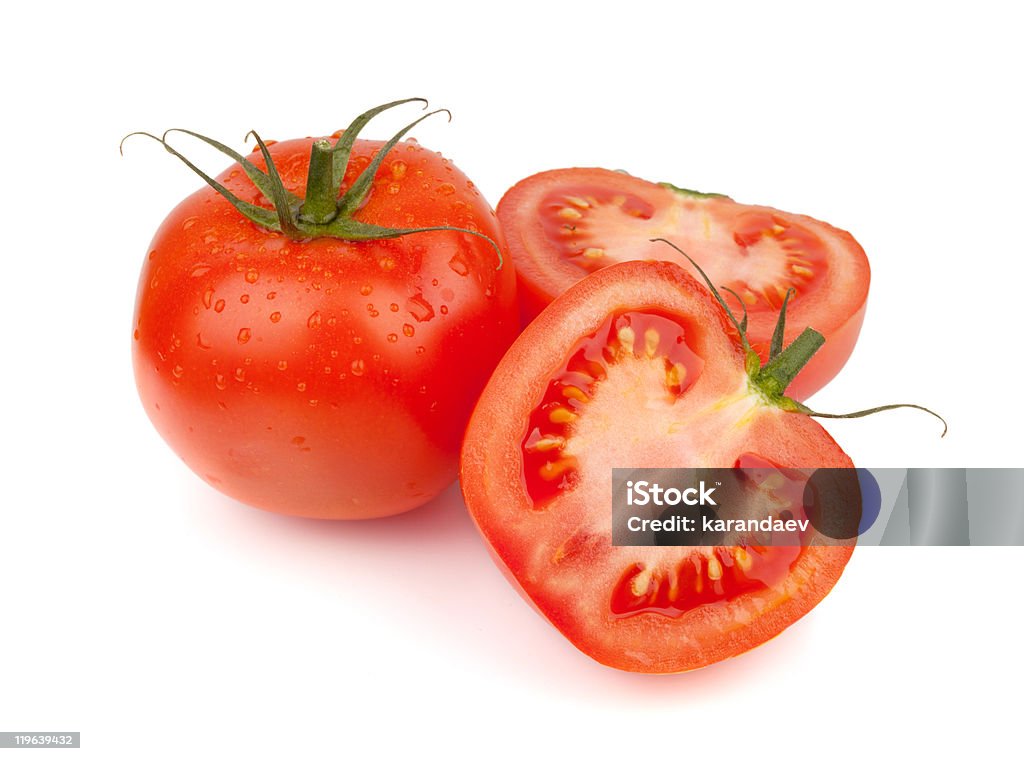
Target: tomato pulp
{"type": "Point", "coordinates": [564, 224]}
{"type": "Point", "coordinates": [636, 367]}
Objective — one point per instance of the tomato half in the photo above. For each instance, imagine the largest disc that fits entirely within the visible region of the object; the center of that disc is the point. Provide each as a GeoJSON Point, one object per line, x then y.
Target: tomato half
{"type": "Point", "coordinates": [564, 224]}
{"type": "Point", "coordinates": [636, 367]}
{"type": "Point", "coordinates": [324, 377]}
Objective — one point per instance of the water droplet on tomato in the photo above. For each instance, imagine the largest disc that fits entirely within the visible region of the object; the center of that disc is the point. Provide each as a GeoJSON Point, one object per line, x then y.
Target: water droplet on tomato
{"type": "Point", "coordinates": [420, 349]}
{"type": "Point", "coordinates": [314, 320]}
{"type": "Point", "coordinates": [220, 382]}
{"type": "Point", "coordinates": [444, 309]}
{"type": "Point", "coordinates": [419, 308]}
{"type": "Point", "coordinates": [200, 269]}
{"type": "Point", "coordinates": [244, 335]}
{"type": "Point", "coordinates": [459, 265]}
{"type": "Point", "coordinates": [208, 298]}
{"type": "Point", "coordinates": [386, 263]}
{"type": "Point", "coordinates": [272, 295]}
{"type": "Point", "coordinates": [300, 386]}
{"type": "Point", "coordinates": [219, 306]}
{"type": "Point", "coordinates": [275, 317]}
{"type": "Point", "coordinates": [244, 298]}
{"type": "Point", "coordinates": [177, 371]}
{"type": "Point", "coordinates": [446, 188]}
{"type": "Point", "coordinates": [398, 169]}
{"type": "Point", "coordinates": [240, 374]}
{"type": "Point", "coordinates": [282, 364]}
{"type": "Point", "coordinates": [358, 367]}
{"type": "Point", "coordinates": [408, 330]}
{"type": "Point", "coordinates": [366, 290]}
{"type": "Point", "coordinates": [251, 276]}
{"type": "Point", "coordinates": [299, 440]}
{"type": "Point", "coordinates": [394, 188]}
{"type": "Point", "coordinates": [393, 307]}
{"type": "Point", "coordinates": [136, 334]}
{"type": "Point", "coordinates": [357, 340]}
{"type": "Point", "coordinates": [200, 343]}
{"type": "Point", "coordinates": [392, 337]}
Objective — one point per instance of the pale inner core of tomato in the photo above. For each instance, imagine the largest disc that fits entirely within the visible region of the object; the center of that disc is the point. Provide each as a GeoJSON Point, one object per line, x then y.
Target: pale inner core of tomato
{"type": "Point", "coordinates": [757, 254]}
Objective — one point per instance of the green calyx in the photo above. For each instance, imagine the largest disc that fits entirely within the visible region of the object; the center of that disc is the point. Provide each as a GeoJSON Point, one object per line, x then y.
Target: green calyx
{"type": "Point", "coordinates": [689, 193]}
{"type": "Point", "coordinates": [784, 363]}
{"type": "Point", "coordinates": [324, 212]}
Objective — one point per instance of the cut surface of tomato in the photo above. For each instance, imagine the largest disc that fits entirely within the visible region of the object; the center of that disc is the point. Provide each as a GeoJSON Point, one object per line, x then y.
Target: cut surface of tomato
{"type": "Point", "coordinates": [635, 367]}
{"type": "Point", "coordinates": [566, 223]}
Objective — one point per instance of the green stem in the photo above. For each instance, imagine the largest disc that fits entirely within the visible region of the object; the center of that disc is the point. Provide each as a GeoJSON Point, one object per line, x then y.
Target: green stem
{"type": "Point", "coordinates": [321, 205]}
{"type": "Point", "coordinates": [783, 365]}
{"type": "Point", "coordinates": [322, 214]}
{"type": "Point", "coordinates": [776, 376]}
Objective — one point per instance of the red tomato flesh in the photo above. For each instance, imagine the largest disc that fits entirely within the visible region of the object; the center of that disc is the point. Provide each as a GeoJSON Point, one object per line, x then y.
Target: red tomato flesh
{"type": "Point", "coordinates": [564, 224]}
{"type": "Point", "coordinates": [635, 367]}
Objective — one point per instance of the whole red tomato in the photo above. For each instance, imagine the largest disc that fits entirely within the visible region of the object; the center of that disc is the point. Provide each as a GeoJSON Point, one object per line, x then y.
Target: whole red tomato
{"type": "Point", "coordinates": [316, 375]}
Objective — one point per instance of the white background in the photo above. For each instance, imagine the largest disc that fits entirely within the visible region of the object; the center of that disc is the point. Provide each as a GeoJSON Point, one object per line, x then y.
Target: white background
{"type": "Point", "coordinates": [140, 607]}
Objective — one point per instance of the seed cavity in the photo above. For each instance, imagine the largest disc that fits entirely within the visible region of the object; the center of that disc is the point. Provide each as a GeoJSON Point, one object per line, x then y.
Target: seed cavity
{"type": "Point", "coordinates": [676, 375]}
{"type": "Point", "coordinates": [555, 469]}
{"type": "Point", "coordinates": [575, 392]}
{"type": "Point", "coordinates": [627, 337]}
{"type": "Point", "coordinates": [548, 443]}
{"type": "Point", "coordinates": [714, 568]}
{"type": "Point", "coordinates": [561, 415]}
{"type": "Point", "coordinates": [743, 560]}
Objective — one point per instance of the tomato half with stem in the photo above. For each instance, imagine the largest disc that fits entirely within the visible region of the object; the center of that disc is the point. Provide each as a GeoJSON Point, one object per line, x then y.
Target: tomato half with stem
{"type": "Point", "coordinates": [637, 367]}
{"type": "Point", "coordinates": [566, 223]}
{"type": "Point", "coordinates": [312, 329]}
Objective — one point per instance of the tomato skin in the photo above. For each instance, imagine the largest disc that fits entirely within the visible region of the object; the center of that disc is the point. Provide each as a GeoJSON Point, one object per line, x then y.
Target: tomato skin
{"type": "Point", "coordinates": [526, 541]}
{"type": "Point", "coordinates": [716, 231]}
{"type": "Point", "coordinates": [324, 378]}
